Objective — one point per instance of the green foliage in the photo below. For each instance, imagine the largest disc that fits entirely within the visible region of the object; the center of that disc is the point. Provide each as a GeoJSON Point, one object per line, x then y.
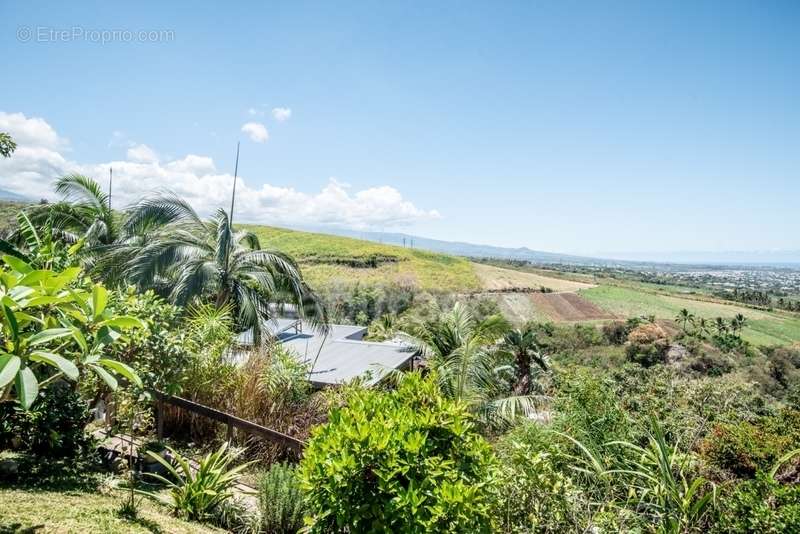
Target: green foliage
{"type": "Point", "coordinates": [167, 246]}
{"type": "Point", "coordinates": [362, 304]}
{"type": "Point", "coordinates": [462, 351]}
{"type": "Point", "coordinates": [522, 348]}
{"type": "Point", "coordinates": [196, 494]}
{"type": "Point", "coordinates": [160, 351]}
{"type": "Point", "coordinates": [760, 505]}
{"type": "Point", "coordinates": [284, 379]}
{"type": "Point", "coordinates": [742, 448]}
{"type": "Point", "coordinates": [666, 489]}
{"type": "Point", "coordinates": [7, 145]}
{"type": "Point", "coordinates": [281, 500]}
{"type": "Point", "coordinates": [403, 461]}
{"type": "Point", "coordinates": [54, 325]}
{"type": "Point", "coordinates": [534, 492]}
{"type": "Point", "coordinates": [53, 427]}
{"type": "Point", "coordinates": [587, 409]}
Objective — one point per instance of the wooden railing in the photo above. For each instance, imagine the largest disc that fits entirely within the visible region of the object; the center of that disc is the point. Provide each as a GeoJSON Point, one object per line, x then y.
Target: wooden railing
{"type": "Point", "coordinates": [231, 421]}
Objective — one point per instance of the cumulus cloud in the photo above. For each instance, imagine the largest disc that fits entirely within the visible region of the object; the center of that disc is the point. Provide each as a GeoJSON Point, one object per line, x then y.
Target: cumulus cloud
{"type": "Point", "coordinates": [142, 154]}
{"type": "Point", "coordinates": [256, 131]}
{"type": "Point", "coordinates": [39, 161]}
{"type": "Point", "coordinates": [281, 114]}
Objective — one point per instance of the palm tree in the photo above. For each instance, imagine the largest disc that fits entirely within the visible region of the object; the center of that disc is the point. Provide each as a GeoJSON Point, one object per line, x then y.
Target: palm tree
{"type": "Point", "coordinates": [684, 317]}
{"type": "Point", "coordinates": [83, 215]}
{"type": "Point", "coordinates": [461, 351]}
{"type": "Point", "coordinates": [167, 246]}
{"type": "Point", "coordinates": [521, 345]}
{"type": "Point", "coordinates": [720, 326]}
{"type": "Point", "coordinates": [703, 327]}
{"type": "Point", "coordinates": [737, 323]}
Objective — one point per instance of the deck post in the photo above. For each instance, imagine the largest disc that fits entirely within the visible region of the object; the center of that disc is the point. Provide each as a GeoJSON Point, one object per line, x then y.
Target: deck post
{"type": "Point", "coordinates": [160, 418]}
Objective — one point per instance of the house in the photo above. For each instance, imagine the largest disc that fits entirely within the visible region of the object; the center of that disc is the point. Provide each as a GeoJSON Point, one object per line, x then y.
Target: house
{"type": "Point", "coordinates": [338, 356]}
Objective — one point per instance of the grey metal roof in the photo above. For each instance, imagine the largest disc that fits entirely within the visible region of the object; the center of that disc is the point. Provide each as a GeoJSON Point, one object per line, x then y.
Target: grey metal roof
{"type": "Point", "coordinates": [278, 328]}
{"type": "Point", "coordinates": [343, 356]}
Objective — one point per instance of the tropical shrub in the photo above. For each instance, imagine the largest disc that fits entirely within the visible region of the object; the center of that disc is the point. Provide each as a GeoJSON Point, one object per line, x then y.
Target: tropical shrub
{"type": "Point", "coordinates": [54, 325]}
{"type": "Point", "coordinates": [53, 427]}
{"type": "Point", "coordinates": [196, 494]}
{"type": "Point", "coordinates": [159, 352]}
{"type": "Point", "coordinates": [534, 492]}
{"type": "Point", "coordinates": [587, 409]}
{"type": "Point", "coordinates": [281, 500]}
{"type": "Point", "coordinates": [760, 505]}
{"type": "Point", "coordinates": [742, 448]}
{"type": "Point", "coordinates": [402, 461]}
{"type": "Point", "coordinates": [361, 304]}
{"type": "Point", "coordinates": [463, 352]}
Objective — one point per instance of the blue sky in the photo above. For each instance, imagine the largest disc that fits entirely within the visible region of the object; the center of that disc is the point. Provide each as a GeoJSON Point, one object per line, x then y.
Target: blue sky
{"type": "Point", "coordinates": [580, 127]}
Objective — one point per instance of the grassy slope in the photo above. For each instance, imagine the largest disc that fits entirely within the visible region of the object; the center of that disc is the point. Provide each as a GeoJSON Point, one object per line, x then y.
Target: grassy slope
{"type": "Point", "coordinates": [763, 328]}
{"type": "Point", "coordinates": [324, 260]}
{"type": "Point", "coordinates": [8, 215]}
{"type": "Point", "coordinates": [500, 278]}
{"type": "Point", "coordinates": [84, 512]}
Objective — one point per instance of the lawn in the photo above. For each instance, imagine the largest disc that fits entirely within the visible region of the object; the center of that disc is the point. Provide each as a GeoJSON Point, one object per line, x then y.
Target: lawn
{"type": "Point", "coordinates": [84, 512]}
{"type": "Point", "coordinates": [328, 260]}
{"type": "Point", "coordinates": [763, 328]}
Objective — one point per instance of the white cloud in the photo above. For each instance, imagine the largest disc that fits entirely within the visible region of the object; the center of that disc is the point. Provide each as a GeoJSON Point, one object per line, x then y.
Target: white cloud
{"type": "Point", "coordinates": [255, 112]}
{"type": "Point", "coordinates": [256, 131]}
{"type": "Point", "coordinates": [38, 162]}
{"type": "Point", "coordinates": [281, 114]}
{"type": "Point", "coordinates": [142, 154]}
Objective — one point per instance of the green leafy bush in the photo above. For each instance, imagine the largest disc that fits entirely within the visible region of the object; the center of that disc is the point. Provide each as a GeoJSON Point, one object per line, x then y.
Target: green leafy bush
{"type": "Point", "coordinates": [53, 427]}
{"type": "Point", "coordinates": [403, 461]}
{"type": "Point", "coordinates": [158, 352]}
{"type": "Point", "coordinates": [743, 448]}
{"type": "Point", "coordinates": [587, 409]}
{"type": "Point", "coordinates": [760, 505]}
{"type": "Point", "coordinates": [534, 493]}
{"type": "Point", "coordinates": [281, 500]}
{"type": "Point", "coordinates": [54, 325]}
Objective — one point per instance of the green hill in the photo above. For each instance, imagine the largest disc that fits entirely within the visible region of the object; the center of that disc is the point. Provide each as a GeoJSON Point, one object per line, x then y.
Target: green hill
{"type": "Point", "coordinates": [332, 260]}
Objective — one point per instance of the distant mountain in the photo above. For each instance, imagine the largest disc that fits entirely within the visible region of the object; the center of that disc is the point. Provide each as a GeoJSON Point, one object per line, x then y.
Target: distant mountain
{"type": "Point", "coordinates": [458, 248]}
{"type": "Point", "coordinates": [727, 257]}
{"type": "Point", "coordinates": [5, 194]}
{"type": "Point", "coordinates": [788, 258]}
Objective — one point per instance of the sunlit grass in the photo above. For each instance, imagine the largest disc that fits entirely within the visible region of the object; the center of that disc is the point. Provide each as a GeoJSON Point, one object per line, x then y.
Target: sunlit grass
{"type": "Point", "coordinates": [330, 260]}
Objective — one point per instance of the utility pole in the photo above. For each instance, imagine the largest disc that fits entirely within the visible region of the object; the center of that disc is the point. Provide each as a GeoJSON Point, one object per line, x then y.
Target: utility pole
{"type": "Point", "coordinates": [110, 179]}
{"type": "Point", "coordinates": [235, 174]}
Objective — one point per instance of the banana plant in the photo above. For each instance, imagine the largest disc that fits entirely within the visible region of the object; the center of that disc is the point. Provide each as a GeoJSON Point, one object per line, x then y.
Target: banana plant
{"type": "Point", "coordinates": [53, 325]}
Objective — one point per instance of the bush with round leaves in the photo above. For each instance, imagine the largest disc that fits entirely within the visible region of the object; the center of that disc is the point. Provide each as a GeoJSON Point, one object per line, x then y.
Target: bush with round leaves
{"type": "Point", "coordinates": [408, 460]}
{"type": "Point", "coordinates": [53, 427]}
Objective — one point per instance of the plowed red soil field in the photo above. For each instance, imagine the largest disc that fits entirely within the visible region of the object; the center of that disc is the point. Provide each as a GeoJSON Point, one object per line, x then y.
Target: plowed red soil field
{"type": "Point", "coordinates": [568, 307]}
